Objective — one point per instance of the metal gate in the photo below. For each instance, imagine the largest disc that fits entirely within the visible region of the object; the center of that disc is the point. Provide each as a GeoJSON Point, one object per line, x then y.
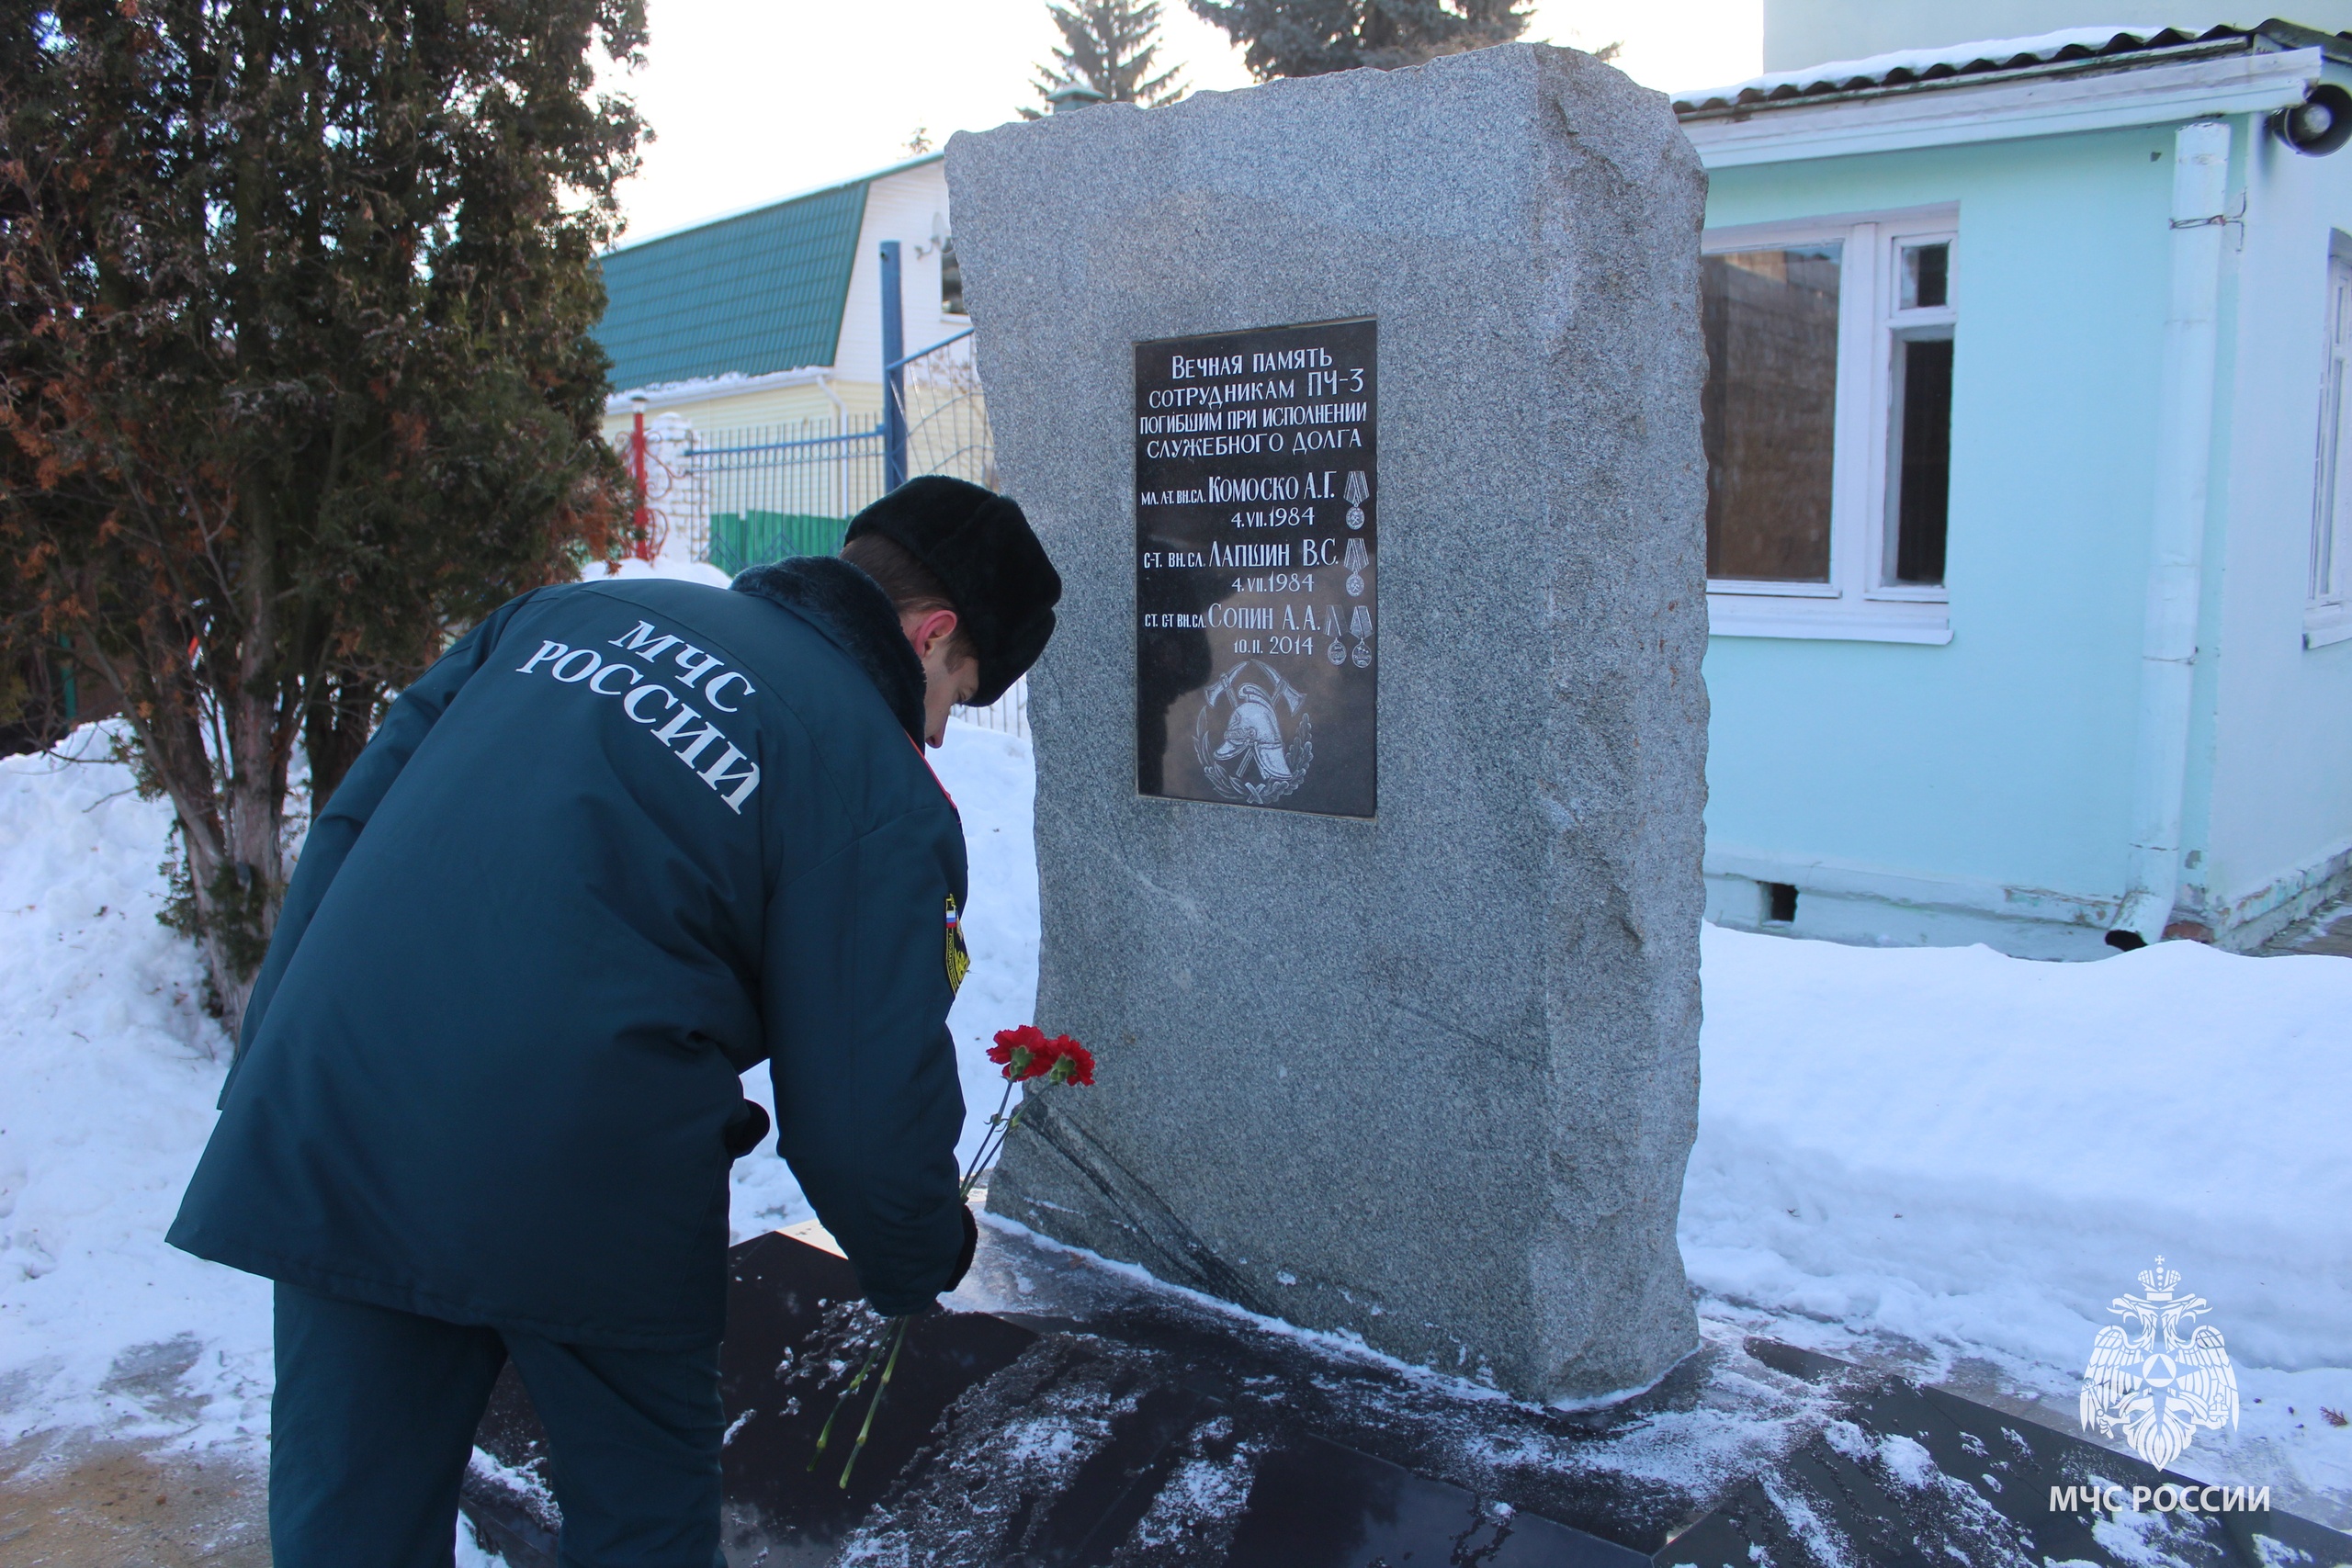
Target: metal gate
{"type": "Point", "coordinates": [746, 496]}
{"type": "Point", "coordinates": [791, 490]}
{"type": "Point", "coordinates": [785, 489]}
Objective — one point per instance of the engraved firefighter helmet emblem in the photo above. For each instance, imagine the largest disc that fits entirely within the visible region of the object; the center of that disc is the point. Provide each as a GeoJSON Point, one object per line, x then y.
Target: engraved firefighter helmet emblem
{"type": "Point", "coordinates": [1254, 737]}
{"type": "Point", "coordinates": [2152, 1380]}
{"type": "Point", "coordinates": [959, 957]}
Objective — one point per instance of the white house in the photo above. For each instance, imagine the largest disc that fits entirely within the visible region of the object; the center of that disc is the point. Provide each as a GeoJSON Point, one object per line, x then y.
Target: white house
{"type": "Point", "coordinates": [756, 340]}
{"type": "Point", "coordinates": [774, 314]}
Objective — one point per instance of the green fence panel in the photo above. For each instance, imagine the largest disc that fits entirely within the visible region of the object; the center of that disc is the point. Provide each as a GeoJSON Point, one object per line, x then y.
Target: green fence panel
{"type": "Point", "coordinates": [740, 540]}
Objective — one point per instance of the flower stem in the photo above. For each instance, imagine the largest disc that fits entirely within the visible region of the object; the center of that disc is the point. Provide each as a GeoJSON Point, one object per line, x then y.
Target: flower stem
{"type": "Point", "coordinates": [898, 1340]}
{"type": "Point", "coordinates": [842, 1403]}
{"type": "Point", "coordinates": [1000, 1128]}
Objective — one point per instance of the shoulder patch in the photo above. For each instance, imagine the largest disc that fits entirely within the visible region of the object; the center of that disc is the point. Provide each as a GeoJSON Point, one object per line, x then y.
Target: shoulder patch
{"type": "Point", "coordinates": [959, 957]}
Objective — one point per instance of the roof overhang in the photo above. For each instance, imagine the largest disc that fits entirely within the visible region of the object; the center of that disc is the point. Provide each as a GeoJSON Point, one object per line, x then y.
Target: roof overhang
{"type": "Point", "coordinates": [675, 394]}
{"type": "Point", "coordinates": [1952, 112]}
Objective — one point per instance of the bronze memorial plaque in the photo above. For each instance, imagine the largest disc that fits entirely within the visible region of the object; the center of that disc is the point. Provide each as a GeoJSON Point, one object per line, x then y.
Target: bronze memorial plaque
{"type": "Point", "coordinates": [1257, 647]}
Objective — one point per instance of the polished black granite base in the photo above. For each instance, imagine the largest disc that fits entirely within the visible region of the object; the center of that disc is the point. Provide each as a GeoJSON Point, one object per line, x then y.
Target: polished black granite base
{"type": "Point", "coordinates": [1085, 1418]}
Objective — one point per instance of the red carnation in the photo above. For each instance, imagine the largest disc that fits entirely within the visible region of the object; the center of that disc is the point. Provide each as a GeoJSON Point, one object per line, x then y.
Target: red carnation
{"type": "Point", "coordinates": [1072, 1062]}
{"type": "Point", "coordinates": [1023, 1053]}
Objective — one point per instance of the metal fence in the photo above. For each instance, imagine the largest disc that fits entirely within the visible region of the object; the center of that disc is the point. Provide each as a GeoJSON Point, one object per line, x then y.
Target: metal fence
{"type": "Point", "coordinates": [942, 414]}
{"type": "Point", "coordinates": [741, 498]}
{"type": "Point", "coordinates": [1009, 715]}
{"type": "Point", "coordinates": [779, 491]}
{"type": "Point", "coordinates": [759, 494]}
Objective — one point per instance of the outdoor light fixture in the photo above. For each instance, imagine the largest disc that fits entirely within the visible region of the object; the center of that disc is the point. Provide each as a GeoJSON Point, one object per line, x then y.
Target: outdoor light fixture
{"type": "Point", "coordinates": [2320, 124]}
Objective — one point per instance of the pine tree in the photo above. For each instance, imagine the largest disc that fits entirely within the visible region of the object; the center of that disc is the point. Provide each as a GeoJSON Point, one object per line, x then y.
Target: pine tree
{"type": "Point", "coordinates": [295, 372]}
{"type": "Point", "coordinates": [1109, 45]}
{"type": "Point", "coordinates": [1309, 38]}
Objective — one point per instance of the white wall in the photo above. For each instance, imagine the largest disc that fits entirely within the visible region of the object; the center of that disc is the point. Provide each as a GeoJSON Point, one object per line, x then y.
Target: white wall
{"type": "Point", "coordinates": [908, 207]}
{"type": "Point", "coordinates": [1798, 33]}
{"type": "Point", "coordinates": [758, 409]}
{"type": "Point", "coordinates": [2272, 774]}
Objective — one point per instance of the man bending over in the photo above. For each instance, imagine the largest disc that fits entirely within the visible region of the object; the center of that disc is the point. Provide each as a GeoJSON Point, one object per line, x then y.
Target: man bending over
{"type": "Point", "coordinates": [625, 841]}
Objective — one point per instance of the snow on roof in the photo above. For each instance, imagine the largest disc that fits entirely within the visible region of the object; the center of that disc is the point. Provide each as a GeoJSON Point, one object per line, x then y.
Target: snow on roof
{"type": "Point", "coordinates": [692, 389]}
{"type": "Point", "coordinates": [900, 167]}
{"type": "Point", "coordinates": [1903, 67]}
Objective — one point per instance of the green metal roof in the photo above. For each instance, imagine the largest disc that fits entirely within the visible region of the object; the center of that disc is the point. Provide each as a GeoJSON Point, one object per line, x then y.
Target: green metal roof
{"type": "Point", "coordinates": [756, 292]}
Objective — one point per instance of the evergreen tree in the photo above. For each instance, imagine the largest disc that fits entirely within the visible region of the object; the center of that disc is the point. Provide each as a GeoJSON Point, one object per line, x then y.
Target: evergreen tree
{"type": "Point", "coordinates": [295, 372]}
{"type": "Point", "coordinates": [1109, 45]}
{"type": "Point", "coordinates": [1309, 38]}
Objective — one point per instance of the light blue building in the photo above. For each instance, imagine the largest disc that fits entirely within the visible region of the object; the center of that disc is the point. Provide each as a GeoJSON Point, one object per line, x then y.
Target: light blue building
{"type": "Point", "coordinates": [2030, 513]}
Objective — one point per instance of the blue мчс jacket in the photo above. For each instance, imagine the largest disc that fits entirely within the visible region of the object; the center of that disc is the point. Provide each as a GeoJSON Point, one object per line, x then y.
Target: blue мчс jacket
{"type": "Point", "coordinates": [624, 842]}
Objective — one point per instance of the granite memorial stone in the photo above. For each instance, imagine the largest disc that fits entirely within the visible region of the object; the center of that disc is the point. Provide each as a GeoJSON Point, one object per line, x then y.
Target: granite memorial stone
{"type": "Point", "coordinates": [1370, 751]}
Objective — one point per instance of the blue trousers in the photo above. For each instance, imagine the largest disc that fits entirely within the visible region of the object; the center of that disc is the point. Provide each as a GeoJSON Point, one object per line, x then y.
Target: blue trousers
{"type": "Point", "coordinates": [373, 1423]}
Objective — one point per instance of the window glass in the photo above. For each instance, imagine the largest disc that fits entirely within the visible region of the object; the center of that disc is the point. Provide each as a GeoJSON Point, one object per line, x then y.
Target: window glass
{"type": "Point", "coordinates": [1770, 410]}
{"type": "Point", "coordinates": [1923, 459]}
{"type": "Point", "coordinates": [2330, 517]}
{"type": "Point", "coordinates": [951, 280]}
{"type": "Point", "coordinates": [1927, 275]}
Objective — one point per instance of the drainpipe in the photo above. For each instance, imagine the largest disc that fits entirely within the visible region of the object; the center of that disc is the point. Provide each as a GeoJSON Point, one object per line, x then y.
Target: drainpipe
{"type": "Point", "coordinates": [2176, 566]}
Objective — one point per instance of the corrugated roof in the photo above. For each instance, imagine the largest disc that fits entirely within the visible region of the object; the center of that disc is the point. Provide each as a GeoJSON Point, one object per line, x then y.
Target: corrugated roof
{"type": "Point", "coordinates": [1968, 65]}
{"type": "Point", "coordinates": [747, 295]}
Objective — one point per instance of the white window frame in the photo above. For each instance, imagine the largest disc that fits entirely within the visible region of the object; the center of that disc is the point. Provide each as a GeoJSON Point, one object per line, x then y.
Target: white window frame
{"type": "Point", "coordinates": [1858, 604]}
{"type": "Point", "coordinates": [2327, 605]}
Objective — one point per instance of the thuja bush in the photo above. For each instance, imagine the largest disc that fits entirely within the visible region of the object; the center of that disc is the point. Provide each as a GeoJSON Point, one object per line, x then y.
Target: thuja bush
{"type": "Point", "coordinates": [295, 372]}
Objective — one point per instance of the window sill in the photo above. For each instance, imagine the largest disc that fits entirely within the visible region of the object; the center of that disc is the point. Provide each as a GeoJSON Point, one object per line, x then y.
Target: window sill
{"type": "Point", "coordinates": [1881, 620]}
{"type": "Point", "coordinates": [2325, 624]}
{"type": "Point", "coordinates": [1721, 587]}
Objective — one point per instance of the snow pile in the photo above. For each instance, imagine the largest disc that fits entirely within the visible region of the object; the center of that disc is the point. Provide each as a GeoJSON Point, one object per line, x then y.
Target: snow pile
{"type": "Point", "coordinates": [2013, 1137]}
{"type": "Point", "coordinates": [110, 1070]}
{"type": "Point", "coordinates": [1939, 1158]}
{"type": "Point", "coordinates": [1954, 1157]}
{"type": "Point", "coordinates": [673, 561]}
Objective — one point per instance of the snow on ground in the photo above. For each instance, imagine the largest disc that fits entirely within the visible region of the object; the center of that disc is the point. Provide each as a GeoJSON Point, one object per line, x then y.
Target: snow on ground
{"type": "Point", "coordinates": [1954, 1160]}
{"type": "Point", "coordinates": [1939, 1158]}
{"type": "Point", "coordinates": [108, 1070]}
{"type": "Point", "coordinates": [672, 562]}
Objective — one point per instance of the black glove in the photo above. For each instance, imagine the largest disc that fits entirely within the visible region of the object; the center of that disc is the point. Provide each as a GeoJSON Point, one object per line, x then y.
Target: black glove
{"type": "Point", "coordinates": [971, 1245]}
{"type": "Point", "coordinates": [962, 1266]}
{"type": "Point", "coordinates": [744, 1129]}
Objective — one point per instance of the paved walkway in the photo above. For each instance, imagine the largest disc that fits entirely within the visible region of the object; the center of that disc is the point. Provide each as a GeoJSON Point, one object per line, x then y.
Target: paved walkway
{"type": "Point", "coordinates": [70, 1502]}
{"type": "Point", "coordinates": [2328, 932]}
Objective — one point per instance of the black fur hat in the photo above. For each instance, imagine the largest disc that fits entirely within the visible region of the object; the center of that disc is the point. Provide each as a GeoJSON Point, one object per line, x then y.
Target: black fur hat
{"type": "Point", "coordinates": [980, 547]}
